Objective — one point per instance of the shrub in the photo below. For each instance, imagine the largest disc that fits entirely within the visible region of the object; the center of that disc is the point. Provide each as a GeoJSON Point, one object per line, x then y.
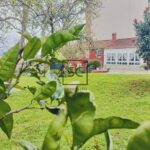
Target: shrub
{"type": "Point", "coordinates": [94, 64]}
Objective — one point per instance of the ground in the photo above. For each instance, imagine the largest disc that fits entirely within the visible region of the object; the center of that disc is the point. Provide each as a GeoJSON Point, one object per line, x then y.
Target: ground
{"type": "Point", "coordinates": [127, 96]}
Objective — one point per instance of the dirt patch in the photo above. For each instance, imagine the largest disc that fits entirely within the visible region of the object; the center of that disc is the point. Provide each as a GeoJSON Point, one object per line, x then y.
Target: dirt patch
{"type": "Point", "coordinates": [139, 87]}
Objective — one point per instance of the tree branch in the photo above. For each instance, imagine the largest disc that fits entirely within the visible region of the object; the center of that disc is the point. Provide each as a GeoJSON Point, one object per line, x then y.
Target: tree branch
{"type": "Point", "coordinates": [27, 107]}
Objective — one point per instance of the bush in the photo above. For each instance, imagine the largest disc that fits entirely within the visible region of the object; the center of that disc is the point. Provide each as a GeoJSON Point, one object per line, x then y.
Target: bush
{"type": "Point", "coordinates": [94, 64]}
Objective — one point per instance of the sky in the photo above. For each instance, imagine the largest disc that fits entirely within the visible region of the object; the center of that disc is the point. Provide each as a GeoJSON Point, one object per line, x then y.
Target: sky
{"type": "Point", "coordinates": [116, 16]}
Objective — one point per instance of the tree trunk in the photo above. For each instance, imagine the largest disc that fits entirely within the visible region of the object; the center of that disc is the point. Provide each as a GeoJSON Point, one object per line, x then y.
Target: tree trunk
{"type": "Point", "coordinates": [24, 24]}
{"type": "Point", "coordinates": [148, 64]}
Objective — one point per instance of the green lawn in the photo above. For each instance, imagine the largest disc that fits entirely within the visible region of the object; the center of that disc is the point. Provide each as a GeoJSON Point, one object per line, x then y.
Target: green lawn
{"type": "Point", "coordinates": [126, 96]}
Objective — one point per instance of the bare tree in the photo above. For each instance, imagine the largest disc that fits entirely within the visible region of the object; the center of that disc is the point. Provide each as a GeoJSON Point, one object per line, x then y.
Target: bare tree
{"type": "Point", "coordinates": [42, 16]}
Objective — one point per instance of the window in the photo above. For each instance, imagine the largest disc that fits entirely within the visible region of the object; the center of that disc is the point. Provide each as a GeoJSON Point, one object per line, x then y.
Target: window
{"type": "Point", "coordinates": [111, 58]}
{"type": "Point", "coordinates": [99, 52]}
{"type": "Point", "coordinates": [131, 59]}
{"type": "Point", "coordinates": [137, 59]}
{"type": "Point", "coordinates": [134, 59]}
{"type": "Point", "coordinates": [122, 59]}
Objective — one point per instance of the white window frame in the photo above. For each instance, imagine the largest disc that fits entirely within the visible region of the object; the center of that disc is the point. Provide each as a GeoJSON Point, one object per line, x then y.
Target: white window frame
{"type": "Point", "coordinates": [122, 58]}
{"type": "Point", "coordinates": [135, 59]}
{"type": "Point", "coordinates": [111, 58]}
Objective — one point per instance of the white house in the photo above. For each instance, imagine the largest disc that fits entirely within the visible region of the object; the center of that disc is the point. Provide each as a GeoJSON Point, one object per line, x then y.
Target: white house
{"type": "Point", "coordinates": [122, 52]}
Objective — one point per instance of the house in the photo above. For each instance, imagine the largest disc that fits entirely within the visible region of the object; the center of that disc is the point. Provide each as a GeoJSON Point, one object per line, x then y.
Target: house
{"type": "Point", "coordinates": [113, 53]}
{"type": "Point", "coordinates": [116, 53]}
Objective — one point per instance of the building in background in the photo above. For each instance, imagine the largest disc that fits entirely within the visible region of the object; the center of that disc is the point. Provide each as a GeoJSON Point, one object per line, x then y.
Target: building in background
{"type": "Point", "coordinates": [115, 53]}
{"type": "Point", "coordinates": [115, 17]}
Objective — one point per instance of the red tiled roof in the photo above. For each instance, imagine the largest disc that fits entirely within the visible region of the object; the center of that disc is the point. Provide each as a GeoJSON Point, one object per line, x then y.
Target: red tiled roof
{"type": "Point", "coordinates": [123, 43]}
{"type": "Point", "coordinates": [108, 44]}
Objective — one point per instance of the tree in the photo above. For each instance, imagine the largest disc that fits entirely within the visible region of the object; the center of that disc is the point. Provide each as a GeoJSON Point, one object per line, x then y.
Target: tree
{"type": "Point", "coordinates": [42, 17]}
{"type": "Point", "coordinates": [143, 37]}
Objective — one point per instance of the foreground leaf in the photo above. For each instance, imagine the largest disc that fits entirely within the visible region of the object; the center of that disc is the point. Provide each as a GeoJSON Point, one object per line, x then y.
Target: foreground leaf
{"type": "Point", "coordinates": [59, 93]}
{"type": "Point", "coordinates": [32, 48]}
{"type": "Point", "coordinates": [8, 63]}
{"type": "Point", "coordinates": [56, 41]}
{"type": "Point", "coordinates": [27, 36]}
{"type": "Point", "coordinates": [81, 110]}
{"type": "Point", "coordinates": [40, 61]}
{"type": "Point", "coordinates": [6, 124]}
{"type": "Point", "coordinates": [108, 141]}
{"type": "Point", "coordinates": [102, 125]}
{"type": "Point", "coordinates": [141, 138]}
{"type": "Point", "coordinates": [2, 90]}
{"type": "Point", "coordinates": [28, 146]}
{"type": "Point", "coordinates": [32, 89]}
{"type": "Point", "coordinates": [77, 29]}
{"type": "Point", "coordinates": [55, 131]}
{"type": "Point", "coordinates": [2, 87]}
{"type": "Point", "coordinates": [46, 91]}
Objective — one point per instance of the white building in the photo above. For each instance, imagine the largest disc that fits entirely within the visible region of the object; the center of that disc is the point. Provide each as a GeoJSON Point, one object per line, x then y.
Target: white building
{"type": "Point", "coordinates": [117, 17]}
{"type": "Point", "coordinates": [122, 52]}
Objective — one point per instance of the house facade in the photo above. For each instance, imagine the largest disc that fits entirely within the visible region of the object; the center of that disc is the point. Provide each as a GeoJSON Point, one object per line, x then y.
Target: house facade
{"type": "Point", "coordinates": [122, 52]}
{"type": "Point", "coordinates": [116, 53]}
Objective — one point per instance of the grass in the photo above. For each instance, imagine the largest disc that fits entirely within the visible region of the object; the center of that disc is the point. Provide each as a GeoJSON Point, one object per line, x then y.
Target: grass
{"type": "Point", "coordinates": [127, 96]}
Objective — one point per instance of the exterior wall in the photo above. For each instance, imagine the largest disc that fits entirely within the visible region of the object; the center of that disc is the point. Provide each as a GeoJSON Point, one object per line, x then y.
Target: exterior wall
{"type": "Point", "coordinates": [127, 52]}
{"type": "Point", "coordinates": [92, 55]}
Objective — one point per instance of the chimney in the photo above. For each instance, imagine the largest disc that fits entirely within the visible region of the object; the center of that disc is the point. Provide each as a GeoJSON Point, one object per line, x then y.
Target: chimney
{"type": "Point", "coordinates": [114, 37]}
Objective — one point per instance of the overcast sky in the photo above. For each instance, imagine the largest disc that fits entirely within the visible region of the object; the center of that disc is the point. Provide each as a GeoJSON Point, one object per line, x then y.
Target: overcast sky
{"type": "Point", "coordinates": [117, 16]}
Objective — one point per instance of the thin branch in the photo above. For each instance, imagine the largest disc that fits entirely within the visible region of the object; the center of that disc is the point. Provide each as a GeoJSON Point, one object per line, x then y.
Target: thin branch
{"type": "Point", "coordinates": [27, 107]}
{"type": "Point", "coordinates": [16, 111]}
{"type": "Point", "coordinates": [10, 18]}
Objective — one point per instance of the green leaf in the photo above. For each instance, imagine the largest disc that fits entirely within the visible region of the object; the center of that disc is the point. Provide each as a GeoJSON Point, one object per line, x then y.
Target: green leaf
{"type": "Point", "coordinates": [19, 87]}
{"type": "Point", "coordinates": [2, 87]}
{"type": "Point", "coordinates": [81, 110]}
{"type": "Point", "coordinates": [34, 73]}
{"type": "Point", "coordinates": [40, 60]}
{"type": "Point", "coordinates": [27, 36]}
{"type": "Point", "coordinates": [46, 91]}
{"type": "Point", "coordinates": [27, 145]}
{"type": "Point", "coordinates": [77, 29]}
{"type": "Point", "coordinates": [6, 124]}
{"type": "Point", "coordinates": [53, 110]}
{"type": "Point", "coordinates": [59, 93]}
{"type": "Point", "coordinates": [59, 56]}
{"type": "Point", "coordinates": [8, 63]}
{"type": "Point", "coordinates": [56, 41]}
{"type": "Point", "coordinates": [2, 90]}
{"type": "Point", "coordinates": [108, 141]}
{"type": "Point", "coordinates": [55, 131]}
{"type": "Point", "coordinates": [141, 138]}
{"type": "Point", "coordinates": [32, 48]}
{"type": "Point", "coordinates": [32, 89]}
{"type": "Point", "coordinates": [102, 125]}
